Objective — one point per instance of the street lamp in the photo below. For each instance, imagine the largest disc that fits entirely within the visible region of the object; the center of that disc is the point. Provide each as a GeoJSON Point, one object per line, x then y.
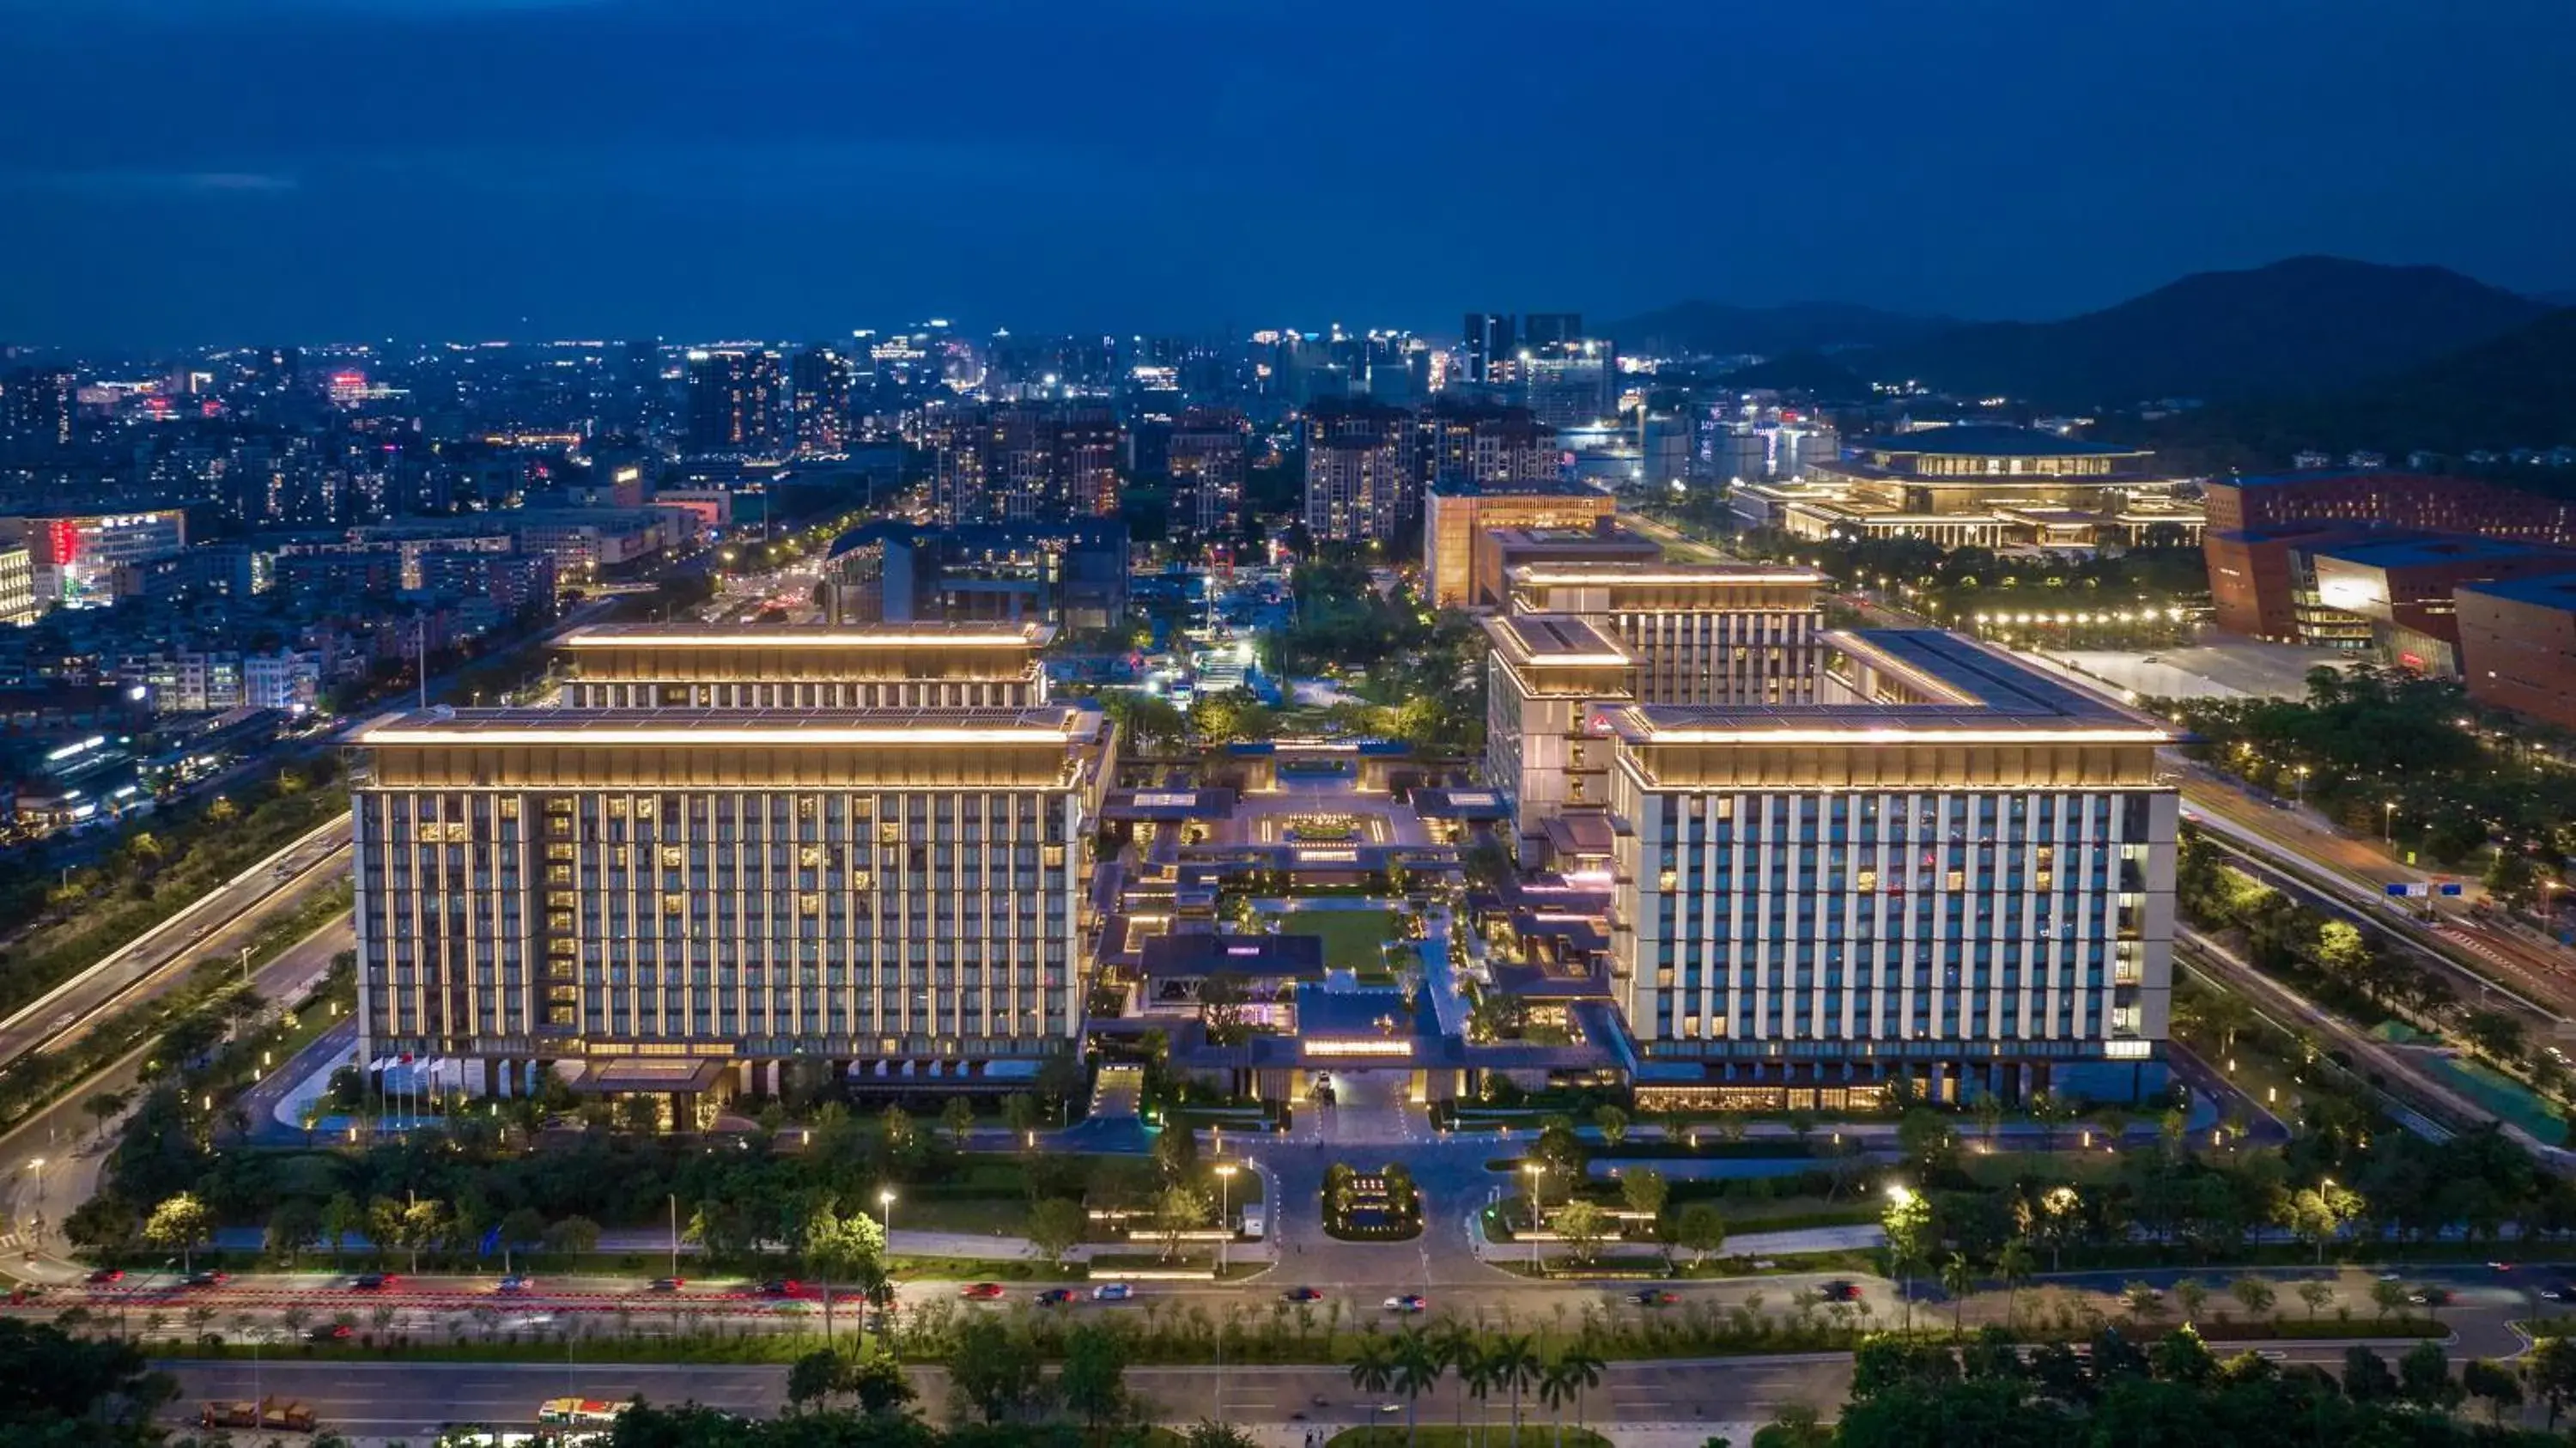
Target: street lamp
{"type": "Point", "coordinates": [2388, 823]}
{"type": "Point", "coordinates": [1224, 1217]}
{"type": "Point", "coordinates": [1536, 1171]}
{"type": "Point", "coordinates": [885, 1204]}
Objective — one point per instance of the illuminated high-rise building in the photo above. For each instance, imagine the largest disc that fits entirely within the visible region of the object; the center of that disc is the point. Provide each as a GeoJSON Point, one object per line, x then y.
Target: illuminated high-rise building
{"type": "Point", "coordinates": [819, 381]}
{"type": "Point", "coordinates": [734, 397]}
{"type": "Point", "coordinates": [1204, 458]}
{"type": "Point", "coordinates": [1024, 462]}
{"type": "Point", "coordinates": [36, 406]}
{"type": "Point", "coordinates": [1361, 484]}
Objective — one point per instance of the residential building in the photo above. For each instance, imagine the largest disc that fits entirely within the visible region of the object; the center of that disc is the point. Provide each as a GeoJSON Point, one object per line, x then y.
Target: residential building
{"type": "Point", "coordinates": [819, 384]}
{"type": "Point", "coordinates": [734, 400]}
{"type": "Point", "coordinates": [1023, 462]}
{"type": "Point", "coordinates": [76, 555]}
{"type": "Point", "coordinates": [1361, 485]}
{"type": "Point", "coordinates": [17, 585]}
{"type": "Point", "coordinates": [36, 410]}
{"type": "Point", "coordinates": [1204, 458]}
{"type": "Point", "coordinates": [681, 901]}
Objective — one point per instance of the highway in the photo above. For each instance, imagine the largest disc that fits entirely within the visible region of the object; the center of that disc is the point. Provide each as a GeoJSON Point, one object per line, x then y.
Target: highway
{"type": "Point", "coordinates": [214, 927]}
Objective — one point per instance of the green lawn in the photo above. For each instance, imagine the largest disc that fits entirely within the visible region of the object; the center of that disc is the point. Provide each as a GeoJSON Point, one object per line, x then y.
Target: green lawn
{"type": "Point", "coordinates": [1353, 939]}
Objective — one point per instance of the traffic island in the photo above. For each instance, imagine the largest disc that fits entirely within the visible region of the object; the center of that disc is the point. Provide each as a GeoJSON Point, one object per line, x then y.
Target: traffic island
{"type": "Point", "coordinates": [1380, 1206]}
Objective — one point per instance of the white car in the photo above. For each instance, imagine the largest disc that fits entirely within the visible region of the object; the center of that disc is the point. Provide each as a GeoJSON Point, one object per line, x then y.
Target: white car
{"type": "Point", "coordinates": [1112, 1292]}
{"type": "Point", "coordinates": [1409, 1302]}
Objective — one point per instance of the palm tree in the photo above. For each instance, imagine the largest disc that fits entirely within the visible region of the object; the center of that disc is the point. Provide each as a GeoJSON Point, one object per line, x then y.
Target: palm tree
{"type": "Point", "coordinates": [1480, 1378]}
{"type": "Point", "coordinates": [1956, 1278]}
{"type": "Point", "coordinates": [1574, 1373]}
{"type": "Point", "coordinates": [1418, 1369]}
{"type": "Point", "coordinates": [1373, 1365]}
{"type": "Point", "coordinates": [2013, 1265]}
{"type": "Point", "coordinates": [1514, 1364]}
{"type": "Point", "coordinates": [1458, 1352]}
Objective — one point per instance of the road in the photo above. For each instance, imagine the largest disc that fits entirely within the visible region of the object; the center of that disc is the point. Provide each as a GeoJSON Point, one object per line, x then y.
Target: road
{"type": "Point", "coordinates": [215, 926]}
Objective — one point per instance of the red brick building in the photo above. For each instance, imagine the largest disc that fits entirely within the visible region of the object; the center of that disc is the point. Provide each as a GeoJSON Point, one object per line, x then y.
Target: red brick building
{"type": "Point", "coordinates": [2518, 645]}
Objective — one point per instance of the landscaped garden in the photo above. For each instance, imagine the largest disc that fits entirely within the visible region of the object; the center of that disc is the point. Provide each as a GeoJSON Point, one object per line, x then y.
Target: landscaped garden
{"type": "Point", "coordinates": [1379, 1206]}
{"type": "Point", "coordinates": [1354, 940]}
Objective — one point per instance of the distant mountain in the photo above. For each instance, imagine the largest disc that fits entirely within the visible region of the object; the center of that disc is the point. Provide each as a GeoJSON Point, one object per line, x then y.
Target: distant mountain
{"type": "Point", "coordinates": [2308, 325]}
{"type": "Point", "coordinates": [1828, 378]}
{"type": "Point", "coordinates": [1714, 329]}
{"type": "Point", "coordinates": [2513, 391]}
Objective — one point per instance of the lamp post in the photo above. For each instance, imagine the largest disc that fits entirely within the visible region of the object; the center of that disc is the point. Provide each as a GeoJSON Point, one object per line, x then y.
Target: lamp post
{"type": "Point", "coordinates": [1536, 1171]}
{"type": "Point", "coordinates": [1224, 1216]}
{"type": "Point", "coordinates": [675, 1236]}
{"type": "Point", "coordinates": [2388, 823]}
{"type": "Point", "coordinates": [885, 1204]}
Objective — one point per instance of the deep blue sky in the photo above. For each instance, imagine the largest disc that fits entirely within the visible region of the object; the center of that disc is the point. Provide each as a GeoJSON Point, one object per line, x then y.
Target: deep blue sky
{"type": "Point", "coordinates": [241, 170]}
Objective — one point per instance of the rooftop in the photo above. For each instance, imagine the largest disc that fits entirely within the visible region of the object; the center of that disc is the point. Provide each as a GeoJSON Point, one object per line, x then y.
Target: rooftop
{"type": "Point", "coordinates": [941, 634]}
{"type": "Point", "coordinates": [1557, 638]}
{"type": "Point", "coordinates": [696, 727]}
{"type": "Point", "coordinates": [1547, 488]}
{"type": "Point", "coordinates": [2556, 590]}
{"type": "Point", "coordinates": [1605, 571]}
{"type": "Point", "coordinates": [1988, 440]}
{"type": "Point", "coordinates": [1970, 694]}
{"type": "Point", "coordinates": [2425, 551]}
{"type": "Point", "coordinates": [1268, 956]}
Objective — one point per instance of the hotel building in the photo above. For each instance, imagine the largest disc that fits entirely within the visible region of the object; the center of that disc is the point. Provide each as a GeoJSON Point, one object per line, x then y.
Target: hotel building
{"type": "Point", "coordinates": [1457, 514]}
{"type": "Point", "coordinates": [1700, 633]}
{"type": "Point", "coordinates": [1947, 868]}
{"type": "Point", "coordinates": [856, 666]}
{"type": "Point", "coordinates": [682, 899]}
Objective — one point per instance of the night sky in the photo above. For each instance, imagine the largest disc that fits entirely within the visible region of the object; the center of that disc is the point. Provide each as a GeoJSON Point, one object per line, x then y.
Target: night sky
{"type": "Point", "coordinates": [245, 170]}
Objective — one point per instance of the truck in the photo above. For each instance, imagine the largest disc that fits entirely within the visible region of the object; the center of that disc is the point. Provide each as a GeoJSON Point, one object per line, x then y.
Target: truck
{"type": "Point", "coordinates": [266, 1414]}
{"type": "Point", "coordinates": [579, 1412]}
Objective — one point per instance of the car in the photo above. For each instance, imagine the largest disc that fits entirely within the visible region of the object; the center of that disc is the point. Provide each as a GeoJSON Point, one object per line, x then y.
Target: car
{"type": "Point", "coordinates": [781, 1287]}
{"type": "Point", "coordinates": [1409, 1302]}
{"type": "Point", "coordinates": [2430, 1296]}
{"type": "Point", "coordinates": [328, 1332]}
{"type": "Point", "coordinates": [371, 1282]}
{"type": "Point", "coordinates": [1112, 1292]}
{"type": "Point", "coordinates": [205, 1279]}
{"type": "Point", "coordinates": [2501, 1266]}
{"type": "Point", "coordinates": [666, 1284]}
{"type": "Point", "coordinates": [516, 1282]}
{"type": "Point", "coordinates": [2392, 1276]}
{"type": "Point", "coordinates": [981, 1291]}
{"type": "Point", "coordinates": [1304, 1294]}
{"type": "Point", "coordinates": [105, 1276]}
{"type": "Point", "coordinates": [1840, 1290]}
{"type": "Point", "coordinates": [1056, 1297]}
{"type": "Point", "coordinates": [2560, 1291]}
{"type": "Point", "coordinates": [1654, 1297]}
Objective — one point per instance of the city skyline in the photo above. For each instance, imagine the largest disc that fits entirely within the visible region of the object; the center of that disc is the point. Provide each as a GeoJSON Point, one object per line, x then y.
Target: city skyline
{"type": "Point", "coordinates": [783, 169]}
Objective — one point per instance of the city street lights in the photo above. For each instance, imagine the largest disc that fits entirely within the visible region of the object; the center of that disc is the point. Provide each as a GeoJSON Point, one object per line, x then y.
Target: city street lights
{"type": "Point", "coordinates": [1224, 1217]}
{"type": "Point", "coordinates": [1536, 1171]}
{"type": "Point", "coordinates": [885, 1204]}
{"type": "Point", "coordinates": [2388, 823]}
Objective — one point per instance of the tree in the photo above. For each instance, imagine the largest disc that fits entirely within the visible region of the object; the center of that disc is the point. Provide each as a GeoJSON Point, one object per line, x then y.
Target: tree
{"type": "Point", "coordinates": [1908, 1224]}
{"type": "Point", "coordinates": [1020, 1114]}
{"type": "Point", "coordinates": [1924, 1137]}
{"type": "Point", "coordinates": [2013, 1265]}
{"type": "Point", "coordinates": [522, 1227]}
{"type": "Point", "coordinates": [1701, 1228]}
{"type": "Point", "coordinates": [1373, 1364]}
{"type": "Point", "coordinates": [2388, 1297]}
{"type": "Point", "coordinates": [1093, 1381]}
{"type": "Point", "coordinates": [1176, 1153]}
{"type": "Point", "coordinates": [1179, 1209]}
{"type": "Point", "coordinates": [813, 1377]}
{"type": "Point", "coordinates": [2366, 1378]}
{"type": "Point", "coordinates": [1583, 1226]}
{"type": "Point", "coordinates": [342, 1218]}
{"type": "Point", "coordinates": [182, 1224]}
{"type": "Point", "coordinates": [2253, 1293]}
{"type": "Point", "coordinates": [1645, 1191]}
{"type": "Point", "coordinates": [995, 1371]}
{"type": "Point", "coordinates": [2495, 1034]}
{"type": "Point", "coordinates": [1613, 1124]}
{"type": "Point", "coordinates": [2551, 1368]}
{"type": "Point", "coordinates": [1958, 1277]}
{"type": "Point", "coordinates": [2316, 1295]}
{"type": "Point", "coordinates": [879, 1383]}
{"type": "Point", "coordinates": [2193, 1296]}
{"type": "Point", "coordinates": [959, 1117]}
{"type": "Point", "coordinates": [573, 1236]}
{"type": "Point", "coordinates": [1056, 1226]}
{"type": "Point", "coordinates": [2494, 1383]}
{"type": "Point", "coordinates": [1575, 1372]}
{"type": "Point", "coordinates": [294, 1226]}
{"type": "Point", "coordinates": [102, 1105]}
{"type": "Point", "coordinates": [1513, 1364]}
{"type": "Point", "coordinates": [2424, 1378]}
{"type": "Point", "coordinates": [1207, 1434]}
{"type": "Point", "coordinates": [836, 1246]}
{"type": "Point", "coordinates": [2142, 1300]}
{"type": "Point", "coordinates": [1416, 1370]}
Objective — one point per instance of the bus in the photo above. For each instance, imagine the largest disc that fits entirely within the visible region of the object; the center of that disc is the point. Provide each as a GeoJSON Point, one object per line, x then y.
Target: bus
{"type": "Point", "coordinates": [579, 1412]}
